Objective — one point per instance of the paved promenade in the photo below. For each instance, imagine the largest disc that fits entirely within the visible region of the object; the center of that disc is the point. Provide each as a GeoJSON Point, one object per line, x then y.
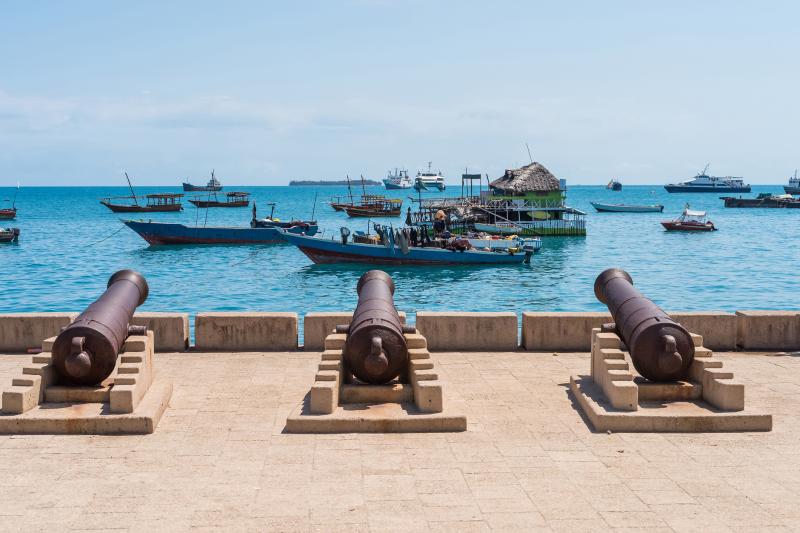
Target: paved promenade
{"type": "Point", "coordinates": [528, 461]}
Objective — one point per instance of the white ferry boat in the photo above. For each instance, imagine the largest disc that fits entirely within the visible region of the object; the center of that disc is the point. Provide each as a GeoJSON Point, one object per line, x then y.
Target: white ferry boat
{"type": "Point", "coordinates": [428, 179]}
{"type": "Point", "coordinates": [398, 180]}
{"type": "Point", "coordinates": [794, 185]}
{"type": "Point", "coordinates": [705, 183]}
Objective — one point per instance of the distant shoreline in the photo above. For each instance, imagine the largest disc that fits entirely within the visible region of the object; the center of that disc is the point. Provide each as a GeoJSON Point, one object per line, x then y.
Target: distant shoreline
{"type": "Point", "coordinates": [295, 183]}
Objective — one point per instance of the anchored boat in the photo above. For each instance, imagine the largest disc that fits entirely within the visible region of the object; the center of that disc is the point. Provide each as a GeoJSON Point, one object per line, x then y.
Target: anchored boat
{"type": "Point", "coordinates": [213, 185]}
{"type": "Point", "coordinates": [627, 208]}
{"type": "Point", "coordinates": [396, 247]}
{"type": "Point", "coordinates": [765, 199]}
{"type": "Point", "coordinates": [232, 199]}
{"type": "Point", "coordinates": [794, 185]}
{"type": "Point", "coordinates": [689, 221]}
{"type": "Point", "coordinates": [428, 179]}
{"type": "Point", "coordinates": [398, 180]}
{"type": "Point", "coordinates": [264, 231]}
{"type": "Point", "coordinates": [161, 202]}
{"type": "Point", "coordinates": [9, 235]}
{"type": "Point", "coordinates": [614, 185]}
{"type": "Point", "coordinates": [705, 183]}
{"type": "Point", "coordinates": [10, 213]}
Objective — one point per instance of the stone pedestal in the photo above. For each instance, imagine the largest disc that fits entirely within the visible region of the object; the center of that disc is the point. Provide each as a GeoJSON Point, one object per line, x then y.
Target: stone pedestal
{"type": "Point", "coordinates": [615, 398]}
{"type": "Point", "coordinates": [130, 401]}
{"type": "Point", "coordinates": [332, 406]}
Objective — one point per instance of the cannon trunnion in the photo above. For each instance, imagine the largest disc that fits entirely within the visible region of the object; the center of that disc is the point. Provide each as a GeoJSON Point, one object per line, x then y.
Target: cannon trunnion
{"type": "Point", "coordinates": [660, 348]}
{"type": "Point", "coordinates": [85, 352]}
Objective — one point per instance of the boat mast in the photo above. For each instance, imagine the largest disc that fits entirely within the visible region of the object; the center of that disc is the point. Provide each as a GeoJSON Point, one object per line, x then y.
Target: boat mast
{"type": "Point", "coordinates": [349, 190]}
{"type": "Point", "coordinates": [529, 152]}
{"type": "Point", "coordinates": [133, 194]}
{"type": "Point", "coordinates": [14, 203]}
{"type": "Point", "coordinates": [363, 189]}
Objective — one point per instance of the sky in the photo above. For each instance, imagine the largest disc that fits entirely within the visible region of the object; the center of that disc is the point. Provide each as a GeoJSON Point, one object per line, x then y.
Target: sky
{"type": "Point", "coordinates": [265, 92]}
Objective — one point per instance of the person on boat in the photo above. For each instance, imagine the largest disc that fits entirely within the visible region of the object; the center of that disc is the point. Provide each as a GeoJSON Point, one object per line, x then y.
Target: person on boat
{"type": "Point", "coordinates": [408, 216]}
{"type": "Point", "coordinates": [439, 224]}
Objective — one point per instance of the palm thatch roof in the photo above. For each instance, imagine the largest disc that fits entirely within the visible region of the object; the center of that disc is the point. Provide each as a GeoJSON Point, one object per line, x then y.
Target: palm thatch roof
{"type": "Point", "coordinates": [533, 177]}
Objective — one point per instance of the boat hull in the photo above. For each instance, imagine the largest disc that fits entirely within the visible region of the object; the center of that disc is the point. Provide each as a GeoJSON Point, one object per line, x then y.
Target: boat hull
{"type": "Point", "coordinates": [611, 208]}
{"type": "Point", "coordinates": [8, 214]}
{"type": "Point", "coordinates": [8, 236]}
{"type": "Point", "coordinates": [327, 251]}
{"type": "Point", "coordinates": [395, 186]}
{"type": "Point", "coordinates": [204, 203]}
{"type": "Point", "coordinates": [788, 189]}
{"type": "Point", "coordinates": [119, 208]}
{"type": "Point", "coordinates": [158, 233]}
{"type": "Point", "coordinates": [366, 212]}
{"type": "Point", "coordinates": [670, 225]}
{"type": "Point", "coordinates": [703, 188]}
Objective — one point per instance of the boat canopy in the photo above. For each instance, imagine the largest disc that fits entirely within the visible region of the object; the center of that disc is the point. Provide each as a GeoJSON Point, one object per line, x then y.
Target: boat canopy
{"type": "Point", "coordinates": [690, 213]}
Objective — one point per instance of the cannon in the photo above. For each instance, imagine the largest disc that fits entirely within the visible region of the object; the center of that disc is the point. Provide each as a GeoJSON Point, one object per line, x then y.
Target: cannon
{"type": "Point", "coordinates": [375, 351]}
{"type": "Point", "coordinates": [660, 348]}
{"type": "Point", "coordinates": [85, 352]}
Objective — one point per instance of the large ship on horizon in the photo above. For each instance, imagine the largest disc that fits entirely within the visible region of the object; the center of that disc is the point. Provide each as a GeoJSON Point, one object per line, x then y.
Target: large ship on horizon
{"type": "Point", "coordinates": [702, 182]}
{"type": "Point", "coordinates": [794, 185]}
{"type": "Point", "coordinates": [398, 180]}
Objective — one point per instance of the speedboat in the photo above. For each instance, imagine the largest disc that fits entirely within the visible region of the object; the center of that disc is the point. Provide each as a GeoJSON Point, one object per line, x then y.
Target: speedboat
{"type": "Point", "coordinates": [398, 180]}
{"type": "Point", "coordinates": [705, 183]}
{"type": "Point", "coordinates": [627, 208]}
{"type": "Point", "coordinates": [428, 179]}
{"type": "Point", "coordinates": [689, 221]}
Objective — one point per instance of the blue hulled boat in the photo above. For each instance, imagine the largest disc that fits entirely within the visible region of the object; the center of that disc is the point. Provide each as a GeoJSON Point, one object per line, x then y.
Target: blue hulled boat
{"type": "Point", "coordinates": [339, 250]}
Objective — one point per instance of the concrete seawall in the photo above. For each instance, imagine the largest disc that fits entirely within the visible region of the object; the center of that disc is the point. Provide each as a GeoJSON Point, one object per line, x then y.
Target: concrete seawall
{"type": "Point", "coordinates": [445, 331]}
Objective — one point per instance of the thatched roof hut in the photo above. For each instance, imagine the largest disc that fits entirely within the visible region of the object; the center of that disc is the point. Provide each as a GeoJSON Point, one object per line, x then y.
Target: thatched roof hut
{"type": "Point", "coordinates": [529, 178]}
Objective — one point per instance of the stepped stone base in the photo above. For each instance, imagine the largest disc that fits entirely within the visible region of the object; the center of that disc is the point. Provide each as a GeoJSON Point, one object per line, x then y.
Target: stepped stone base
{"type": "Point", "coordinates": [334, 406]}
{"type": "Point", "coordinates": [130, 401]}
{"type": "Point", "coordinates": [615, 398]}
{"type": "Point", "coordinates": [658, 416]}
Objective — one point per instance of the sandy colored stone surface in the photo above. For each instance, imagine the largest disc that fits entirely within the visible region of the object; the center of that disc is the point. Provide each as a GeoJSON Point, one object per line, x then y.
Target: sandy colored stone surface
{"type": "Point", "coordinates": [219, 460]}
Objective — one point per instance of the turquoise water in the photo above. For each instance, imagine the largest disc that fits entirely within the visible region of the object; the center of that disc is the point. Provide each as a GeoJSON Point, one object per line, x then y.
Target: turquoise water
{"type": "Point", "coordinates": [751, 263]}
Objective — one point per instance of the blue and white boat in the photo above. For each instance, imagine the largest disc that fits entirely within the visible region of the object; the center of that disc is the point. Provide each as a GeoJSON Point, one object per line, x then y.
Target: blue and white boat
{"type": "Point", "coordinates": [394, 252]}
{"type": "Point", "coordinates": [158, 233]}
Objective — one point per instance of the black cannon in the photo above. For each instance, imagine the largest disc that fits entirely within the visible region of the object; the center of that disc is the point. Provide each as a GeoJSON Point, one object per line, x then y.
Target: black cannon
{"type": "Point", "coordinates": [85, 352]}
{"type": "Point", "coordinates": [375, 351]}
{"type": "Point", "coordinates": [660, 348]}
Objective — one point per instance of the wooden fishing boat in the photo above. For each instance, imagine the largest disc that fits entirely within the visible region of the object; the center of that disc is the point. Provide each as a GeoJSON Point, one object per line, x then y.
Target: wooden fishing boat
{"type": "Point", "coordinates": [9, 235]}
{"type": "Point", "coordinates": [689, 221]}
{"type": "Point", "coordinates": [154, 203]}
{"type": "Point", "coordinates": [627, 208]}
{"type": "Point", "coordinates": [232, 199]}
{"type": "Point", "coordinates": [372, 206]}
{"type": "Point", "coordinates": [394, 252]}
{"type": "Point", "coordinates": [8, 214]}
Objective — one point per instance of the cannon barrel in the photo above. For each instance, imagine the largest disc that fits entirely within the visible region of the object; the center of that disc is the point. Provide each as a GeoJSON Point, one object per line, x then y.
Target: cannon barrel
{"type": "Point", "coordinates": [660, 348]}
{"type": "Point", "coordinates": [375, 350]}
{"type": "Point", "coordinates": [85, 352]}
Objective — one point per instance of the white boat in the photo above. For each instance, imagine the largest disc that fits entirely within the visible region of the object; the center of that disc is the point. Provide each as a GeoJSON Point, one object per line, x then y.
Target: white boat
{"type": "Point", "coordinates": [398, 180]}
{"type": "Point", "coordinates": [623, 208]}
{"type": "Point", "coordinates": [705, 183]}
{"type": "Point", "coordinates": [428, 179]}
{"type": "Point", "coordinates": [534, 243]}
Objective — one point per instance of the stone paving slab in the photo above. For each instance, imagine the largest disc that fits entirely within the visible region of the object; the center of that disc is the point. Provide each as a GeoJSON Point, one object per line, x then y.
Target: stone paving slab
{"type": "Point", "coordinates": [528, 461]}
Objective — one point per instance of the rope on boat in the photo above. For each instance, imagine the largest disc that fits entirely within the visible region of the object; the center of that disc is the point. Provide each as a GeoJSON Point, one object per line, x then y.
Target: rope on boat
{"type": "Point", "coordinates": [107, 237]}
{"type": "Point", "coordinates": [249, 257]}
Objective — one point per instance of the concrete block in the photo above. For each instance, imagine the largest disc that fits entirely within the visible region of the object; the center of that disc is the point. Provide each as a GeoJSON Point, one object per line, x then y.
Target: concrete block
{"type": "Point", "coordinates": [317, 326]}
{"type": "Point", "coordinates": [20, 331]}
{"type": "Point", "coordinates": [428, 396]}
{"type": "Point", "coordinates": [171, 329]}
{"type": "Point", "coordinates": [562, 332]}
{"type": "Point", "coordinates": [234, 331]}
{"type": "Point", "coordinates": [717, 328]}
{"type": "Point", "coordinates": [453, 331]}
{"type": "Point", "coordinates": [374, 394]}
{"type": "Point", "coordinates": [335, 341]}
{"type": "Point", "coordinates": [324, 397]}
{"type": "Point", "coordinates": [768, 330]}
{"type": "Point", "coordinates": [722, 391]}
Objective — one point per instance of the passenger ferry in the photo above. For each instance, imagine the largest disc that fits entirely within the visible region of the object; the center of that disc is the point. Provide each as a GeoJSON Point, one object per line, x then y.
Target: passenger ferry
{"type": "Point", "coordinates": [428, 179]}
{"type": "Point", "coordinates": [398, 180]}
{"type": "Point", "coordinates": [705, 183]}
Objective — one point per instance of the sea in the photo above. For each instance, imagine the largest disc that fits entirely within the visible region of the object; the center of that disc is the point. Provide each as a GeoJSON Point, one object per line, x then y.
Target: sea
{"type": "Point", "coordinates": [70, 244]}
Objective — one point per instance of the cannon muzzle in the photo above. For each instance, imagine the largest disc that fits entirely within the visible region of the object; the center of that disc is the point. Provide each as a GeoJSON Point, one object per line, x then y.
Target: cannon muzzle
{"type": "Point", "coordinates": [85, 352]}
{"type": "Point", "coordinates": [660, 348]}
{"type": "Point", "coordinates": [375, 350]}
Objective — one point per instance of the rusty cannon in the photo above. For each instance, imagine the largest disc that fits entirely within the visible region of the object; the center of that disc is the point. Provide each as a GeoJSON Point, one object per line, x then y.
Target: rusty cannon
{"type": "Point", "coordinates": [85, 352]}
{"type": "Point", "coordinates": [375, 351]}
{"type": "Point", "coordinates": [660, 348]}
